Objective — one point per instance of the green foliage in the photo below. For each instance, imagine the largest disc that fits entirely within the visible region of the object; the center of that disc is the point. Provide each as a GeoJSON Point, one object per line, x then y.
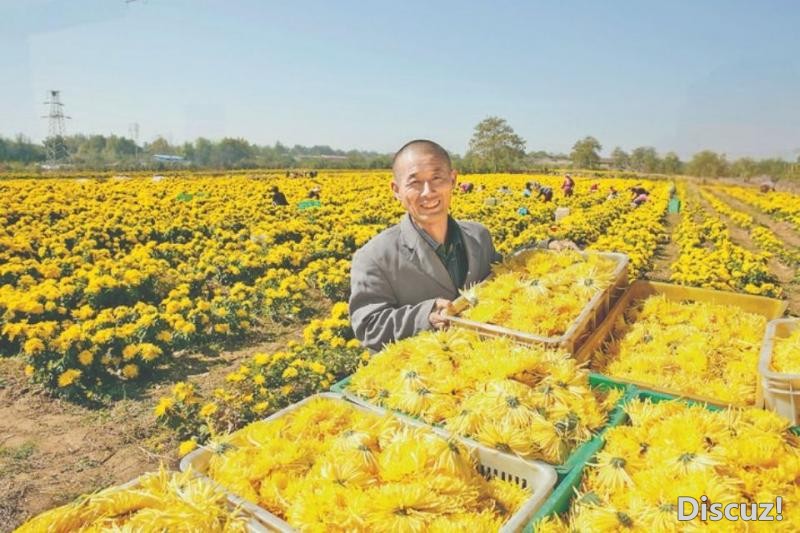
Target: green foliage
{"type": "Point", "coordinates": [494, 147]}
{"type": "Point", "coordinates": [620, 159]}
{"type": "Point", "coordinates": [707, 164]}
{"type": "Point", "coordinates": [585, 153]}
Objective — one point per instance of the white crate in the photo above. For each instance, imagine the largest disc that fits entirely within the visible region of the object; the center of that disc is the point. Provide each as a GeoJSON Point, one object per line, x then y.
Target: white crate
{"type": "Point", "coordinates": [781, 392]}
{"type": "Point", "coordinates": [537, 476]}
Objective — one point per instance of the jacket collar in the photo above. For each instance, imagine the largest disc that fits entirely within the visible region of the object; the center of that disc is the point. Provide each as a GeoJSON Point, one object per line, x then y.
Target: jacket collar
{"type": "Point", "coordinates": [424, 256]}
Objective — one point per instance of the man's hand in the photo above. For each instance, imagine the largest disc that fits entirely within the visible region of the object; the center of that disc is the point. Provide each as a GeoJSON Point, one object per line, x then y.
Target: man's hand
{"type": "Point", "coordinates": [563, 245]}
{"type": "Point", "coordinates": [436, 318]}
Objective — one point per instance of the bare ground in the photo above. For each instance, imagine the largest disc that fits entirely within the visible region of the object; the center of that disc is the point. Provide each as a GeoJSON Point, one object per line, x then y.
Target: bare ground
{"type": "Point", "coordinates": [666, 253]}
{"type": "Point", "coordinates": [51, 450]}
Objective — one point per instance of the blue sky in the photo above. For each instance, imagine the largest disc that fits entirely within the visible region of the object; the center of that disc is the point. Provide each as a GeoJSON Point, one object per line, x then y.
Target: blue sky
{"type": "Point", "coordinates": [679, 75]}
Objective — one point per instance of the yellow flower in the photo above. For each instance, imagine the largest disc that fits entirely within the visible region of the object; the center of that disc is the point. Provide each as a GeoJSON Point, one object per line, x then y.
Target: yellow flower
{"type": "Point", "coordinates": [258, 379]}
{"type": "Point", "coordinates": [319, 368]}
{"type": "Point", "coordinates": [186, 447]}
{"type": "Point", "coordinates": [208, 409]}
{"type": "Point", "coordinates": [29, 370]}
{"type": "Point", "coordinates": [33, 346]}
{"type": "Point", "coordinates": [164, 405]}
{"type": "Point", "coordinates": [68, 377]}
{"type": "Point", "coordinates": [287, 389]}
{"type": "Point", "coordinates": [148, 351]}
{"type": "Point", "coordinates": [85, 357]}
{"type": "Point", "coordinates": [290, 373]}
{"type": "Point", "coordinates": [130, 371]}
{"type": "Point", "coordinates": [260, 407]}
{"type": "Point", "coordinates": [129, 352]}
{"type": "Point", "coordinates": [261, 359]}
{"type": "Point", "coordinates": [164, 336]}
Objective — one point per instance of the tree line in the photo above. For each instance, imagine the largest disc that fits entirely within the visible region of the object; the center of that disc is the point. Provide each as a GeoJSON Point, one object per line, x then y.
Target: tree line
{"type": "Point", "coordinates": [101, 152]}
{"type": "Point", "coordinates": [493, 147]}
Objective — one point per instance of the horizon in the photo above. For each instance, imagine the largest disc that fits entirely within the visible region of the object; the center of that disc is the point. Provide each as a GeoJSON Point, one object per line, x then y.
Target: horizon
{"type": "Point", "coordinates": [681, 77]}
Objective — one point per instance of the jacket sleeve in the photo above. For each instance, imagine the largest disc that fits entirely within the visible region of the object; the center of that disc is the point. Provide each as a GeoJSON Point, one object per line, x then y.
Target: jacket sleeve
{"type": "Point", "coordinates": [376, 317]}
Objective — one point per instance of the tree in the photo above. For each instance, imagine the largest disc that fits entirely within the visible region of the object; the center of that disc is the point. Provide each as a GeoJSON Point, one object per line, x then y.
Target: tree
{"type": "Point", "coordinates": [233, 152]}
{"type": "Point", "coordinates": [495, 146]}
{"type": "Point", "coordinates": [584, 153]}
{"type": "Point", "coordinates": [707, 164]}
{"type": "Point", "coordinates": [645, 159]}
{"type": "Point", "coordinates": [744, 167]}
{"type": "Point", "coordinates": [671, 164]}
{"type": "Point", "coordinates": [619, 158]}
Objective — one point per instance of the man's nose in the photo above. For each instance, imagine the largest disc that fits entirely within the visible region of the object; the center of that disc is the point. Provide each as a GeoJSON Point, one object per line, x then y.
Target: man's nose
{"type": "Point", "coordinates": [427, 187]}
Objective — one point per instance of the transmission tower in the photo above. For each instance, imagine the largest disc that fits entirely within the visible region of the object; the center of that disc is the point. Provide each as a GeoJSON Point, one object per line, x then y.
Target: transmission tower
{"type": "Point", "coordinates": [133, 131]}
{"type": "Point", "coordinates": [54, 144]}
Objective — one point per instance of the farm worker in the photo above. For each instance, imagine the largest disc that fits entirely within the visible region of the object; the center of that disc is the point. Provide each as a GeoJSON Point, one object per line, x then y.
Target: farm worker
{"type": "Point", "coordinates": [522, 210]}
{"type": "Point", "coordinates": [278, 198]}
{"type": "Point", "coordinates": [545, 193]}
{"type": "Point", "coordinates": [639, 199]}
{"type": "Point", "coordinates": [313, 194]}
{"type": "Point", "coordinates": [612, 193]}
{"type": "Point", "coordinates": [404, 278]}
{"type": "Point", "coordinates": [528, 190]}
{"type": "Point", "coordinates": [595, 187]}
{"type": "Point", "coordinates": [568, 185]}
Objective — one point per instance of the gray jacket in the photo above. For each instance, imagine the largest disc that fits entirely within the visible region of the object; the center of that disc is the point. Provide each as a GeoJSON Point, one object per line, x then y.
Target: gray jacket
{"type": "Point", "coordinates": [396, 277]}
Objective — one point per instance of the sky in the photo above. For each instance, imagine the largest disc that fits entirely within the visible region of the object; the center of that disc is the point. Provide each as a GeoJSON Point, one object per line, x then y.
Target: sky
{"type": "Point", "coordinates": [680, 76]}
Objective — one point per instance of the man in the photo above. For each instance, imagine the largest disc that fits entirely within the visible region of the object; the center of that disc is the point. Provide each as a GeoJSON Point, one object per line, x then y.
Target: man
{"type": "Point", "coordinates": [403, 279]}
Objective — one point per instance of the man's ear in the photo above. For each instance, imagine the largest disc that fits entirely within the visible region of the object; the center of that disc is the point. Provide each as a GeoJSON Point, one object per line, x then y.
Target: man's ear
{"type": "Point", "coordinates": [454, 177]}
{"type": "Point", "coordinates": [395, 190]}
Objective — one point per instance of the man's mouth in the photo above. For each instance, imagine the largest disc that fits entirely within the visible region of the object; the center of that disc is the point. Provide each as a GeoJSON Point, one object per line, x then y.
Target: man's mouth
{"type": "Point", "coordinates": [432, 204]}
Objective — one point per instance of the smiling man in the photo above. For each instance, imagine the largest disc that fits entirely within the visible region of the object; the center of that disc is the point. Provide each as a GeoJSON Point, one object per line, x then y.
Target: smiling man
{"type": "Point", "coordinates": [403, 278]}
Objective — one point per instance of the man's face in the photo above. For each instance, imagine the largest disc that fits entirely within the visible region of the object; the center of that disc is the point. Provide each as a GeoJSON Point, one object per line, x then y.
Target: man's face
{"type": "Point", "coordinates": [424, 184]}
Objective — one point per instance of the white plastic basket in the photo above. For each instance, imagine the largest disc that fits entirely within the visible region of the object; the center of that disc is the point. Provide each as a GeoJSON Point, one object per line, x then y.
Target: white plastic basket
{"type": "Point", "coordinates": [781, 392]}
{"type": "Point", "coordinates": [536, 476]}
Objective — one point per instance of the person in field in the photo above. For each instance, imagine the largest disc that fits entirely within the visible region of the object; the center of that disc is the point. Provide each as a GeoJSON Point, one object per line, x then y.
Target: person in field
{"type": "Point", "coordinates": [404, 278]}
{"type": "Point", "coordinates": [278, 198]}
{"type": "Point", "coordinates": [568, 186]}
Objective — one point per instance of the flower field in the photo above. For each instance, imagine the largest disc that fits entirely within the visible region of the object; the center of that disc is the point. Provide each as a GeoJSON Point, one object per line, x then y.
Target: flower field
{"type": "Point", "coordinates": [108, 284]}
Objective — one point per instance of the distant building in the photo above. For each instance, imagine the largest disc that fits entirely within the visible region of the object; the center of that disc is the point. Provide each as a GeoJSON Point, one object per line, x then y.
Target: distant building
{"type": "Point", "coordinates": [165, 158]}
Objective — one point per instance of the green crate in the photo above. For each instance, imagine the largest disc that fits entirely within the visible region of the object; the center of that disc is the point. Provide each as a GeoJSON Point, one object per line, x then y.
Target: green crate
{"type": "Point", "coordinates": [559, 500]}
{"type": "Point", "coordinates": [579, 455]}
{"type": "Point", "coordinates": [339, 386]}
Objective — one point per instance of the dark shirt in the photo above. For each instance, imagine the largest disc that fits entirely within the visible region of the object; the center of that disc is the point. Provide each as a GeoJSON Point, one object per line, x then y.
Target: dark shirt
{"type": "Point", "coordinates": [278, 198]}
{"type": "Point", "coordinates": [452, 253]}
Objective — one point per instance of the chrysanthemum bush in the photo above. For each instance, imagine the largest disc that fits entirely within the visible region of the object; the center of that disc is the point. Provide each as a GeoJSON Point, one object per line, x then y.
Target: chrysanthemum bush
{"type": "Point", "coordinates": [266, 382]}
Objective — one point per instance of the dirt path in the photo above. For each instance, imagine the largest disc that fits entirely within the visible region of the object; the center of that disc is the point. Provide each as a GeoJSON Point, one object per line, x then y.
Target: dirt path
{"type": "Point", "coordinates": [666, 253]}
{"type": "Point", "coordinates": [52, 451]}
{"type": "Point", "coordinates": [786, 274]}
{"type": "Point", "coordinates": [781, 228]}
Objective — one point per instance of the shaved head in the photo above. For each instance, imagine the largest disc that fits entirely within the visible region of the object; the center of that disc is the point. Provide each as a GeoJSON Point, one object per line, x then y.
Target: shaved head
{"type": "Point", "coordinates": [421, 147]}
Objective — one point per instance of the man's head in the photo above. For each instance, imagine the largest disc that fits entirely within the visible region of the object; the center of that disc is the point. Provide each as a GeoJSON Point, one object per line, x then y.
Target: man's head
{"type": "Point", "coordinates": [423, 180]}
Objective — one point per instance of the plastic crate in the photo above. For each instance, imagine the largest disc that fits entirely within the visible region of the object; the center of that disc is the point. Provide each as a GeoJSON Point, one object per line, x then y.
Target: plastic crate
{"type": "Point", "coordinates": [587, 320]}
{"type": "Point", "coordinates": [559, 500]}
{"type": "Point", "coordinates": [770, 308]}
{"type": "Point", "coordinates": [539, 477]}
{"type": "Point", "coordinates": [578, 455]}
{"type": "Point", "coordinates": [781, 391]}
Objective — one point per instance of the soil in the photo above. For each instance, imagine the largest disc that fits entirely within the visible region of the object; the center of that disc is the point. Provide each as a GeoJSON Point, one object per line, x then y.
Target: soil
{"type": "Point", "coordinates": [666, 253]}
{"type": "Point", "coordinates": [52, 451]}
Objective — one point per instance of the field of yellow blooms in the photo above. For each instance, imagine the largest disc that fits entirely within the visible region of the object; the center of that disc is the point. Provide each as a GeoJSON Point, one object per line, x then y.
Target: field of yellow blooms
{"type": "Point", "coordinates": [108, 281]}
{"type": "Point", "coordinates": [103, 280]}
